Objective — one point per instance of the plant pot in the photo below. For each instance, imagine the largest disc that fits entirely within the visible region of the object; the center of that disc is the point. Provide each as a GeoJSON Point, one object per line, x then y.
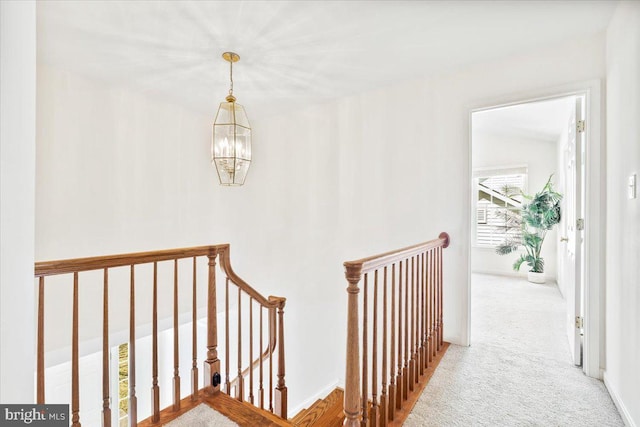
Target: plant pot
{"type": "Point", "coordinates": [534, 277]}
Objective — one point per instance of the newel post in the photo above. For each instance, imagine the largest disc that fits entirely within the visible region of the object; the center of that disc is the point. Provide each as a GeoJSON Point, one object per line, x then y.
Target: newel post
{"type": "Point", "coordinates": [352, 403]}
{"type": "Point", "coordinates": [212, 364]}
{"type": "Point", "coordinates": [281, 388]}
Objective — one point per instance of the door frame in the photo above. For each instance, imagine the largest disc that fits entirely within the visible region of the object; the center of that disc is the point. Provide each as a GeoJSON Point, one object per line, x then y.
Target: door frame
{"type": "Point", "coordinates": [594, 204]}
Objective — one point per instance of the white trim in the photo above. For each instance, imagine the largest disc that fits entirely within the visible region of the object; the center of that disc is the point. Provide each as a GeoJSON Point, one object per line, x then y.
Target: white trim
{"type": "Point", "coordinates": [624, 413]}
{"type": "Point", "coordinates": [594, 206]}
{"type": "Point", "coordinates": [309, 401]}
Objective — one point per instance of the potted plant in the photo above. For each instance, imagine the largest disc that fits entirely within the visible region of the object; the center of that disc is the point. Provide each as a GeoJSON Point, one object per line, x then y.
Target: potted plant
{"type": "Point", "coordinates": [539, 214]}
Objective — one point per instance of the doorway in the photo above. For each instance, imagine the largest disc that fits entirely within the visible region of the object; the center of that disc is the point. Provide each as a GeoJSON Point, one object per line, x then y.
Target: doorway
{"type": "Point", "coordinates": [515, 150]}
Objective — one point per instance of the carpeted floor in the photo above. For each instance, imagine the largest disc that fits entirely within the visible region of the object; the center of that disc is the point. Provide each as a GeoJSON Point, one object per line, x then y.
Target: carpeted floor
{"type": "Point", "coordinates": [517, 371]}
{"type": "Point", "coordinates": [201, 416]}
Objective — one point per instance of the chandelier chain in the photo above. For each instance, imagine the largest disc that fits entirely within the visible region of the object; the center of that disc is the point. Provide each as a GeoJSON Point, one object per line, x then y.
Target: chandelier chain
{"type": "Point", "coordinates": [231, 77]}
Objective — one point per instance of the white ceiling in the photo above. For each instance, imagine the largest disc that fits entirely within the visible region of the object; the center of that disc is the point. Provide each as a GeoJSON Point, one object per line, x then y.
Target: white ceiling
{"type": "Point", "coordinates": [294, 52]}
{"type": "Point", "coordinates": [542, 121]}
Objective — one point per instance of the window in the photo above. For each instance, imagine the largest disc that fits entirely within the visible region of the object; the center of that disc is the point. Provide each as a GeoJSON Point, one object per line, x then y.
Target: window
{"type": "Point", "coordinates": [498, 203]}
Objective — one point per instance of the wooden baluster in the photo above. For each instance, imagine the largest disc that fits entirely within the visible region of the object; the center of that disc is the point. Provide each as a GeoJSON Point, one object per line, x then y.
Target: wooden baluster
{"type": "Point", "coordinates": [281, 388]}
{"type": "Point", "coordinates": [429, 307]}
{"type": "Point", "coordinates": [425, 303]}
{"type": "Point", "coordinates": [133, 400]}
{"type": "Point", "coordinates": [419, 305]}
{"type": "Point", "coordinates": [405, 369]}
{"type": "Point", "coordinates": [433, 307]}
{"type": "Point", "coordinates": [75, 376]}
{"type": "Point", "coordinates": [227, 383]}
{"type": "Point", "coordinates": [260, 385]}
{"type": "Point", "coordinates": [412, 315]}
{"type": "Point", "coordinates": [352, 398]}
{"type": "Point", "coordinates": [176, 356]}
{"type": "Point", "coordinates": [212, 364]}
{"type": "Point", "coordinates": [106, 409]}
{"type": "Point", "coordinates": [374, 356]}
{"type": "Point", "coordinates": [194, 333]}
{"type": "Point", "coordinates": [251, 350]}
{"type": "Point", "coordinates": [400, 380]}
{"type": "Point", "coordinates": [416, 318]}
{"type": "Point", "coordinates": [40, 364]}
{"type": "Point", "coordinates": [440, 286]}
{"type": "Point", "coordinates": [365, 354]}
{"type": "Point", "coordinates": [420, 319]}
{"type": "Point", "coordinates": [436, 344]}
{"type": "Point", "coordinates": [384, 411]}
{"type": "Point", "coordinates": [427, 296]}
{"type": "Point", "coordinates": [392, 350]}
{"type": "Point", "coordinates": [438, 309]}
{"type": "Point", "coordinates": [272, 331]}
{"type": "Point", "coordinates": [155, 389]}
{"type": "Point", "coordinates": [240, 380]}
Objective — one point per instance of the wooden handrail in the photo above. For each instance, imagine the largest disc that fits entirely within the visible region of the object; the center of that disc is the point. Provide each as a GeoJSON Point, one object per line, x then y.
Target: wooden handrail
{"type": "Point", "coordinates": [77, 265]}
{"type": "Point", "coordinates": [375, 262]}
{"type": "Point", "coordinates": [221, 253]}
{"type": "Point", "coordinates": [225, 264]}
{"type": "Point", "coordinates": [370, 400]}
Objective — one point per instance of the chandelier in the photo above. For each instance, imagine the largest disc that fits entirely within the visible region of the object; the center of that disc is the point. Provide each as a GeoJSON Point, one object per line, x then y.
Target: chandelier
{"type": "Point", "coordinates": [231, 142]}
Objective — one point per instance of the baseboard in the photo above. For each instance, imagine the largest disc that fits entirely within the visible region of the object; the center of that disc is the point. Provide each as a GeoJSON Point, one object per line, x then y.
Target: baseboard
{"type": "Point", "coordinates": [311, 400]}
{"type": "Point", "coordinates": [624, 413]}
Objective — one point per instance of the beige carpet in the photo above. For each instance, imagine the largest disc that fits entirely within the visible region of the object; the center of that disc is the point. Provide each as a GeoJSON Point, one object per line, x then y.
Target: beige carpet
{"type": "Point", "coordinates": [201, 416]}
{"type": "Point", "coordinates": [518, 370]}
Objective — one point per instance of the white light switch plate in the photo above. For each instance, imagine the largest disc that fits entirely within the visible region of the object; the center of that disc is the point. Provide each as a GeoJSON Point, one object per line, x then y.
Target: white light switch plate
{"type": "Point", "coordinates": [632, 186]}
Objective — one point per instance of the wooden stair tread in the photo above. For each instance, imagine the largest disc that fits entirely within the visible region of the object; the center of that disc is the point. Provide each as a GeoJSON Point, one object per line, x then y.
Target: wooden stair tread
{"type": "Point", "coordinates": [244, 413]}
{"type": "Point", "coordinates": [327, 412]}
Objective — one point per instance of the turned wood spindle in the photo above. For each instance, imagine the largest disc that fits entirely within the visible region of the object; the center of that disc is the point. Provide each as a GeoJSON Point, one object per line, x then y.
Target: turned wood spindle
{"type": "Point", "coordinates": [155, 389]}
{"type": "Point", "coordinates": [194, 335]}
{"type": "Point", "coordinates": [106, 409]}
{"type": "Point", "coordinates": [40, 350]}
{"type": "Point", "coordinates": [176, 355]}
{"type": "Point", "coordinates": [374, 413]}
{"type": "Point", "coordinates": [75, 375]}
{"type": "Point", "coordinates": [392, 350]}
{"type": "Point", "coordinates": [383, 394]}
{"type": "Point", "coordinates": [133, 400]}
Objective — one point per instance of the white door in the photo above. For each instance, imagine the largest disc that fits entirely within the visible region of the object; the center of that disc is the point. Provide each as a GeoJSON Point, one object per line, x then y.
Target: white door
{"type": "Point", "coordinates": [572, 228]}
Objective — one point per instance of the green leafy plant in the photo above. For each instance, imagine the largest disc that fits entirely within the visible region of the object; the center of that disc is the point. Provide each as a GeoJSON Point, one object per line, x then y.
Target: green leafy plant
{"type": "Point", "coordinates": [538, 215]}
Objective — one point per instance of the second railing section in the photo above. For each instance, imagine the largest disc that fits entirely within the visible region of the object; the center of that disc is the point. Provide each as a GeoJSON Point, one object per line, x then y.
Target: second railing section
{"type": "Point", "coordinates": [394, 329]}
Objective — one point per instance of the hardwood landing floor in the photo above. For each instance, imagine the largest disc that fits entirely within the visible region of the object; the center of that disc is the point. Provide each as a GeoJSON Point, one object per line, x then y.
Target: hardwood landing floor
{"type": "Point", "coordinates": [325, 412]}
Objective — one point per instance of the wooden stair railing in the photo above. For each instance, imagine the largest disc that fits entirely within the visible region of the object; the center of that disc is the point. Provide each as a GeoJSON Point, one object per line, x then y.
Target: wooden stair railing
{"type": "Point", "coordinates": [407, 296]}
{"type": "Point", "coordinates": [212, 364]}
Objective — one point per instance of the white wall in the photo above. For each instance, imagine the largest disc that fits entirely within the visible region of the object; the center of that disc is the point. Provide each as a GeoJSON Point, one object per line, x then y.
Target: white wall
{"type": "Point", "coordinates": [353, 177]}
{"type": "Point", "coordinates": [17, 192]}
{"type": "Point", "coordinates": [498, 150]}
{"type": "Point", "coordinates": [623, 215]}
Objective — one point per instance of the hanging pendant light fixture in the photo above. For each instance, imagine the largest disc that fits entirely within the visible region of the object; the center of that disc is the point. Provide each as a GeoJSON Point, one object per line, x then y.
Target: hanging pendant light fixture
{"type": "Point", "coordinates": [231, 142]}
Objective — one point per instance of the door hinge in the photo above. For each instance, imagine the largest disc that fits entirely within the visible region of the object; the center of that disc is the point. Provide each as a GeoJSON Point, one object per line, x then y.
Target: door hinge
{"type": "Point", "coordinates": [580, 125]}
{"type": "Point", "coordinates": [580, 224]}
{"type": "Point", "coordinates": [579, 322]}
